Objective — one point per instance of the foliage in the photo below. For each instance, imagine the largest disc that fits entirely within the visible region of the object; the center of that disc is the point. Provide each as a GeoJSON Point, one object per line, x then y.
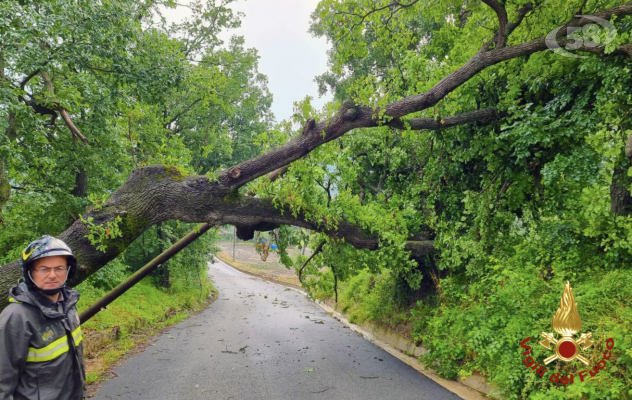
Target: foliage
{"type": "Point", "coordinates": [142, 305]}
{"type": "Point", "coordinates": [515, 206]}
{"type": "Point", "coordinates": [99, 234]}
{"type": "Point", "coordinates": [138, 313]}
{"type": "Point", "coordinates": [374, 297]}
{"type": "Point", "coordinates": [142, 91]}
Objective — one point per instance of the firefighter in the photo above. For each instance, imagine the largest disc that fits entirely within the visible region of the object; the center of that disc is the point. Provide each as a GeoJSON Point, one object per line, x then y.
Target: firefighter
{"type": "Point", "coordinates": [41, 351]}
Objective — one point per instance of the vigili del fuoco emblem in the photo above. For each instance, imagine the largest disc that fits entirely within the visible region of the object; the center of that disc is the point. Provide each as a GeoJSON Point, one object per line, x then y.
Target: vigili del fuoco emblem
{"type": "Point", "coordinates": [567, 323]}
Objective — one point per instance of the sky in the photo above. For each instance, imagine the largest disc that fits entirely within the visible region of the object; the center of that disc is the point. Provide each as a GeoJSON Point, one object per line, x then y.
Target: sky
{"type": "Point", "coordinates": [289, 55]}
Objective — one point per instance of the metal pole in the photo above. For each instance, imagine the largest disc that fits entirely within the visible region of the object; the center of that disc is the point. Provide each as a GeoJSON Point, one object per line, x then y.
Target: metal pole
{"type": "Point", "coordinates": [143, 272]}
{"type": "Point", "coordinates": [234, 240]}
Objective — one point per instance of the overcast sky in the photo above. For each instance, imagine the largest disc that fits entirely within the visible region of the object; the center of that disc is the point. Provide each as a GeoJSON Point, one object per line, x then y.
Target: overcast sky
{"type": "Point", "coordinates": [289, 55]}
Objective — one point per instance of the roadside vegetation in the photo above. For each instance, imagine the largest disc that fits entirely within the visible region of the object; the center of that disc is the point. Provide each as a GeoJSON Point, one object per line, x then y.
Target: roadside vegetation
{"type": "Point", "coordinates": [478, 326]}
{"type": "Point", "coordinates": [107, 88]}
{"type": "Point", "coordinates": [168, 296]}
{"type": "Point", "coordinates": [138, 314]}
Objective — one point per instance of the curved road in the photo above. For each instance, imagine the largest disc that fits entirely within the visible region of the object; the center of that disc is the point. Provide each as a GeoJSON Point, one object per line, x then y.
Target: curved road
{"type": "Point", "coordinates": [260, 340]}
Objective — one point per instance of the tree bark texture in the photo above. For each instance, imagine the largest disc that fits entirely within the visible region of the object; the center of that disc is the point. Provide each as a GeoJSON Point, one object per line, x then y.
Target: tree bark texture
{"type": "Point", "coordinates": [5, 187]}
{"type": "Point", "coordinates": [160, 193]}
{"type": "Point", "coordinates": [620, 199]}
{"type": "Point", "coordinates": [165, 279]}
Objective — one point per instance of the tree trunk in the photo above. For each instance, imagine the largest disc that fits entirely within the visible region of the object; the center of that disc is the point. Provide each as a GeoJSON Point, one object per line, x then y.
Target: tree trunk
{"type": "Point", "coordinates": [5, 187]}
{"type": "Point", "coordinates": [81, 183]}
{"type": "Point", "coordinates": [164, 268]}
{"type": "Point", "coordinates": [620, 199]}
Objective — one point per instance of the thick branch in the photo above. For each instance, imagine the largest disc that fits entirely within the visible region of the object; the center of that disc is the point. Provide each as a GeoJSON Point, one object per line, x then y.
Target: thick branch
{"type": "Point", "coordinates": [272, 177]}
{"type": "Point", "coordinates": [447, 122]}
{"type": "Point", "coordinates": [160, 193]}
{"type": "Point", "coordinates": [500, 11]}
{"type": "Point", "coordinates": [351, 117]}
{"type": "Point", "coordinates": [28, 78]}
{"type": "Point", "coordinates": [623, 49]}
{"type": "Point", "coordinates": [48, 83]}
{"type": "Point", "coordinates": [482, 60]}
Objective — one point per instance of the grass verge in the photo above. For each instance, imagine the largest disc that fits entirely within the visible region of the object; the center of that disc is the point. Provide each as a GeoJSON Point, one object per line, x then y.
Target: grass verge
{"type": "Point", "coordinates": [477, 326]}
{"type": "Point", "coordinates": [137, 315]}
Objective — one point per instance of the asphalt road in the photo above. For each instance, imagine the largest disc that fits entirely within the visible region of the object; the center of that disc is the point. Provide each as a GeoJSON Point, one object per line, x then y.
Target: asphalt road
{"type": "Point", "coordinates": [260, 340]}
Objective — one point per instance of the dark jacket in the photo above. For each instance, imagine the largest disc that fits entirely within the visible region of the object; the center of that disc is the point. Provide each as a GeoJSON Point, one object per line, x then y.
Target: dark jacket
{"type": "Point", "coordinates": [41, 350]}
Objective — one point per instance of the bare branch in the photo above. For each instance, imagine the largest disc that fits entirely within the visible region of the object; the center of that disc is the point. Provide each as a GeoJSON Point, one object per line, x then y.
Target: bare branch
{"type": "Point", "coordinates": [48, 83]}
{"type": "Point", "coordinates": [318, 250]}
{"type": "Point", "coordinates": [28, 78]}
{"type": "Point", "coordinates": [363, 17]}
{"type": "Point", "coordinates": [181, 113]}
{"type": "Point", "coordinates": [71, 126]}
{"type": "Point", "coordinates": [272, 177]}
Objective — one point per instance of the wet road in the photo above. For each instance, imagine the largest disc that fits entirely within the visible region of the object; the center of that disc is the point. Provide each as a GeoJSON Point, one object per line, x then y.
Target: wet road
{"type": "Point", "coordinates": [260, 340]}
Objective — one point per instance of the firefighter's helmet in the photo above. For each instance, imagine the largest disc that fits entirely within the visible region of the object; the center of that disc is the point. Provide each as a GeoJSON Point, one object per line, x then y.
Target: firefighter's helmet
{"type": "Point", "coordinates": [46, 246]}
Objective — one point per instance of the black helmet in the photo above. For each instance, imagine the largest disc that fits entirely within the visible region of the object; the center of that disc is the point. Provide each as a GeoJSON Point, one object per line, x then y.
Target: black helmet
{"type": "Point", "coordinates": [46, 246]}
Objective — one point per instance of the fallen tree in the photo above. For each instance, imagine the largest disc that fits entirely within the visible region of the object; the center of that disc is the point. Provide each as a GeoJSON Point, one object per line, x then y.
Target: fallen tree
{"type": "Point", "coordinates": [159, 193]}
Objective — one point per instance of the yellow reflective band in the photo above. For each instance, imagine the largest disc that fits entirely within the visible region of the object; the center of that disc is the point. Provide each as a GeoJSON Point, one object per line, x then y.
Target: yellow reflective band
{"type": "Point", "coordinates": [55, 349]}
{"type": "Point", "coordinates": [12, 300]}
{"type": "Point", "coordinates": [77, 336]}
{"type": "Point", "coordinates": [50, 352]}
{"type": "Point", "coordinates": [48, 357]}
{"type": "Point", "coordinates": [53, 345]}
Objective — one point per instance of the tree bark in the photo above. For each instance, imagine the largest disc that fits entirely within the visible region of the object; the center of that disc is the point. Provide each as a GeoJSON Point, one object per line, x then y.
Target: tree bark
{"type": "Point", "coordinates": [5, 187]}
{"type": "Point", "coordinates": [620, 199]}
{"type": "Point", "coordinates": [159, 193]}
{"type": "Point", "coordinates": [165, 280]}
{"type": "Point", "coordinates": [81, 183]}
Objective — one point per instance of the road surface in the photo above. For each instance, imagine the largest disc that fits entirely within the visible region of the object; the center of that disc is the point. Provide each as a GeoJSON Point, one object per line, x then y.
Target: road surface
{"type": "Point", "coordinates": [260, 340]}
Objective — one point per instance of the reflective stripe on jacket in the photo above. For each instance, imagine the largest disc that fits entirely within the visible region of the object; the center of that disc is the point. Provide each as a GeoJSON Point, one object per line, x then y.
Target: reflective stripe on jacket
{"type": "Point", "coordinates": [41, 350]}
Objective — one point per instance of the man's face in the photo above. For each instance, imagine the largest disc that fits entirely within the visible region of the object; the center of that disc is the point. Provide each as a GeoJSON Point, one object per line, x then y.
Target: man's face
{"type": "Point", "coordinates": [49, 272]}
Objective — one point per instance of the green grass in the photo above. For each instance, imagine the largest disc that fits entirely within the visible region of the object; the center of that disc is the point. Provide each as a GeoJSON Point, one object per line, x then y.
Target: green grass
{"type": "Point", "coordinates": [369, 297]}
{"type": "Point", "coordinates": [139, 313]}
